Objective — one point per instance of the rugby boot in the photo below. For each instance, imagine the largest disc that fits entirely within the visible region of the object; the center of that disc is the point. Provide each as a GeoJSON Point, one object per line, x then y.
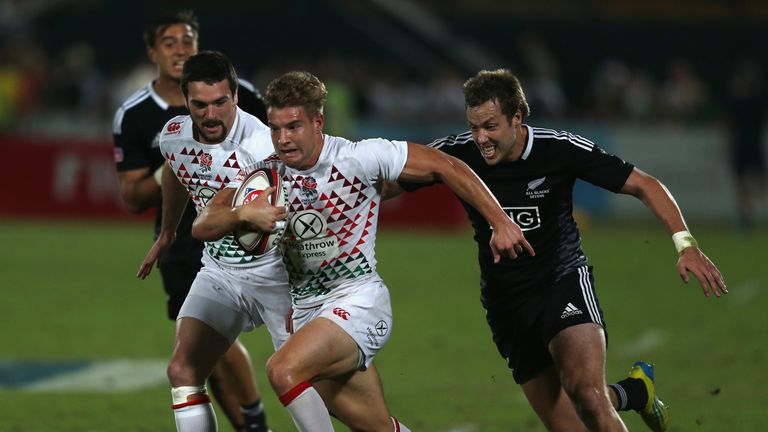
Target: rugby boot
{"type": "Point", "coordinates": [655, 414]}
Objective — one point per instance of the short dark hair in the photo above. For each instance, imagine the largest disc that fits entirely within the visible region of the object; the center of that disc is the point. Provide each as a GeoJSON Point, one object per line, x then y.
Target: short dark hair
{"type": "Point", "coordinates": [209, 67]}
{"type": "Point", "coordinates": [501, 85]}
{"type": "Point", "coordinates": [297, 88]}
{"type": "Point", "coordinates": [158, 25]}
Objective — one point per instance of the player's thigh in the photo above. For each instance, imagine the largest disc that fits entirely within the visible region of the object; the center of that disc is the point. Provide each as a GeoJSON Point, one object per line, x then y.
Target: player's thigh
{"type": "Point", "coordinates": [357, 399]}
{"type": "Point", "coordinates": [196, 351]}
{"type": "Point", "coordinates": [319, 349]}
{"type": "Point", "coordinates": [579, 355]}
{"type": "Point", "coordinates": [549, 401]}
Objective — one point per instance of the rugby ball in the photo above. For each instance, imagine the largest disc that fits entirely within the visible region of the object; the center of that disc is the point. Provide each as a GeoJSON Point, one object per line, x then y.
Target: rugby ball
{"type": "Point", "coordinates": [253, 242]}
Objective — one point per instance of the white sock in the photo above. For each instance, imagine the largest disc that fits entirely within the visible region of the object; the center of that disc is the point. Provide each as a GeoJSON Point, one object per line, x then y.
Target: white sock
{"type": "Point", "coordinates": [399, 427]}
{"type": "Point", "coordinates": [196, 418]}
{"type": "Point", "coordinates": [307, 409]}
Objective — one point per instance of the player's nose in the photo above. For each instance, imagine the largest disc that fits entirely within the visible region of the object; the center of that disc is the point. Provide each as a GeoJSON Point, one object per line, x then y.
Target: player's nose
{"type": "Point", "coordinates": [283, 137]}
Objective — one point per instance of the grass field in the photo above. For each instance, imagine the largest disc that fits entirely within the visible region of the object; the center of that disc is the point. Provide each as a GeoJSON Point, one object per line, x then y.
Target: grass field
{"type": "Point", "coordinates": [69, 294]}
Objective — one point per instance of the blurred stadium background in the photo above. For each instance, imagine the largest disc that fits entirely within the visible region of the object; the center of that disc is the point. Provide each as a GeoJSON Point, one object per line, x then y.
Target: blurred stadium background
{"type": "Point", "coordinates": [84, 343]}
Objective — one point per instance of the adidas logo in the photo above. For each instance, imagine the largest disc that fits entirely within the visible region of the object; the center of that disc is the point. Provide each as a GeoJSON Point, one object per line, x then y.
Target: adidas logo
{"type": "Point", "coordinates": [570, 310]}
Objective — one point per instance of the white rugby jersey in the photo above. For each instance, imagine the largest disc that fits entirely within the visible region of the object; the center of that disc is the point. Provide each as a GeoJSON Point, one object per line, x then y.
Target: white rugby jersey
{"type": "Point", "coordinates": [333, 214]}
{"type": "Point", "coordinates": [204, 169]}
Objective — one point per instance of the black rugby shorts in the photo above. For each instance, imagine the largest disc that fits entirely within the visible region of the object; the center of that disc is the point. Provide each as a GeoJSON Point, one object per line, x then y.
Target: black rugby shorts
{"type": "Point", "coordinates": [523, 333]}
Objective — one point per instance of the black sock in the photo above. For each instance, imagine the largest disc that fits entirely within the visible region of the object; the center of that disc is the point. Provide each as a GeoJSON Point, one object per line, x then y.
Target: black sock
{"type": "Point", "coordinates": [254, 416]}
{"type": "Point", "coordinates": [631, 393]}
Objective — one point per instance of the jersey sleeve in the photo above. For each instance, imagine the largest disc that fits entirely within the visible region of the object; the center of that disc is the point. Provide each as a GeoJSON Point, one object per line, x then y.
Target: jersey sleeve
{"type": "Point", "coordinates": [599, 167]}
{"type": "Point", "coordinates": [381, 159]}
{"type": "Point", "coordinates": [444, 143]}
{"type": "Point", "coordinates": [129, 151]}
{"type": "Point", "coordinates": [171, 129]}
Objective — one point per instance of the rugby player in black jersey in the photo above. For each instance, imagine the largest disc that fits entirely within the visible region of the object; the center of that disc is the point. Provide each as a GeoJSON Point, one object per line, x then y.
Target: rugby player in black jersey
{"type": "Point", "coordinates": [170, 40]}
{"type": "Point", "coordinates": [542, 310]}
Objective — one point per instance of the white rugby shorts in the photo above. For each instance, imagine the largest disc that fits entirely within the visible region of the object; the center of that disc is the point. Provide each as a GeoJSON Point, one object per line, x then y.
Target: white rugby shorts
{"type": "Point", "coordinates": [232, 300]}
{"type": "Point", "coordinates": [364, 313]}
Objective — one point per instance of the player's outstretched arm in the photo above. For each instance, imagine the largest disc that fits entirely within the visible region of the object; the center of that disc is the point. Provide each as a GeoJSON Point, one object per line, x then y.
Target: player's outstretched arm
{"type": "Point", "coordinates": [175, 199]}
{"type": "Point", "coordinates": [425, 164]}
{"type": "Point", "coordinates": [219, 218]}
{"type": "Point", "coordinates": [691, 259]}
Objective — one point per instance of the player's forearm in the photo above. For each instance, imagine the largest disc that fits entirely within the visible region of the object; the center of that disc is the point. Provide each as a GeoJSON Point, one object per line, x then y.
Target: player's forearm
{"type": "Point", "coordinates": [427, 165]}
{"type": "Point", "coordinates": [214, 222]}
{"type": "Point", "coordinates": [140, 194]}
{"type": "Point", "coordinates": [175, 198]}
{"type": "Point", "coordinates": [663, 205]}
{"type": "Point", "coordinates": [218, 218]}
{"type": "Point", "coordinates": [658, 199]}
{"type": "Point", "coordinates": [470, 188]}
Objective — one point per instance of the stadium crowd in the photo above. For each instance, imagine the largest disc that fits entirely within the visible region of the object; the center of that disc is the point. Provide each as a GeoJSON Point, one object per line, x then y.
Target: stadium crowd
{"type": "Point", "coordinates": [71, 91]}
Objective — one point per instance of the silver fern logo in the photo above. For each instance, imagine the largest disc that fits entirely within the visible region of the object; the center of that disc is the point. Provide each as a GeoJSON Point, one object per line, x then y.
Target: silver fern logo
{"type": "Point", "coordinates": [536, 183]}
{"type": "Point", "coordinates": [533, 192]}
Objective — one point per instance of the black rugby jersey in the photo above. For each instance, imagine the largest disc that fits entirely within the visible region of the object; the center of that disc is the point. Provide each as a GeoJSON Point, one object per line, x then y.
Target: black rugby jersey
{"type": "Point", "coordinates": [136, 132]}
{"type": "Point", "coordinates": [537, 192]}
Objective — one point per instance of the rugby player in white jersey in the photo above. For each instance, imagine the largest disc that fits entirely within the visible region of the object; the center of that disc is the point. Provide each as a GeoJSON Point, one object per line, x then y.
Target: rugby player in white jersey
{"type": "Point", "coordinates": [170, 40]}
{"type": "Point", "coordinates": [342, 314]}
{"type": "Point", "coordinates": [207, 154]}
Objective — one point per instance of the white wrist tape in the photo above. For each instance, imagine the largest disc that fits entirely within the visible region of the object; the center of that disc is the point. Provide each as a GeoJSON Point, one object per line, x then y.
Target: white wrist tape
{"type": "Point", "coordinates": [159, 175]}
{"type": "Point", "coordinates": [179, 394]}
{"type": "Point", "coordinates": [682, 240]}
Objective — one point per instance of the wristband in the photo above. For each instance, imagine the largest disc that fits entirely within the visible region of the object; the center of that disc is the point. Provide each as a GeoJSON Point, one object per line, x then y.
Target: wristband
{"type": "Point", "coordinates": [682, 240]}
{"type": "Point", "coordinates": [159, 175]}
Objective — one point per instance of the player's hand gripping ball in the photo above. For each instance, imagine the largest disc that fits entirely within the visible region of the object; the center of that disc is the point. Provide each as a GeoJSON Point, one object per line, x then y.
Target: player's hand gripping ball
{"type": "Point", "coordinates": [257, 242]}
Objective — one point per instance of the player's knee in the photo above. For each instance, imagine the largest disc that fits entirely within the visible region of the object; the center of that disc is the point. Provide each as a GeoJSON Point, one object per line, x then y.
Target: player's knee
{"type": "Point", "coordinates": [282, 373]}
{"type": "Point", "coordinates": [180, 373]}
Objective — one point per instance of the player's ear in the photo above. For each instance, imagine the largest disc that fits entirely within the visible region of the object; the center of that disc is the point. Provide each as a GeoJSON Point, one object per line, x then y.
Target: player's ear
{"type": "Point", "coordinates": [319, 122]}
{"type": "Point", "coordinates": [152, 55]}
{"type": "Point", "coordinates": [234, 97]}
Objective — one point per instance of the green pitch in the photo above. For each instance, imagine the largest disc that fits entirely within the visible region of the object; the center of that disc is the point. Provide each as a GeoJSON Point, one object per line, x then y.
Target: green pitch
{"type": "Point", "coordinates": [77, 300]}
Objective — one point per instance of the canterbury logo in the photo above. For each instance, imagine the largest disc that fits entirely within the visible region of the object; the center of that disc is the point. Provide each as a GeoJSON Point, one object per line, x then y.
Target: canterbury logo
{"type": "Point", "coordinates": [173, 127]}
{"type": "Point", "coordinates": [341, 313]}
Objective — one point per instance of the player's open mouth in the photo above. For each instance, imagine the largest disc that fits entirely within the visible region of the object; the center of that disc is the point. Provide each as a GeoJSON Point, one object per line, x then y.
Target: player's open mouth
{"type": "Point", "coordinates": [488, 150]}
